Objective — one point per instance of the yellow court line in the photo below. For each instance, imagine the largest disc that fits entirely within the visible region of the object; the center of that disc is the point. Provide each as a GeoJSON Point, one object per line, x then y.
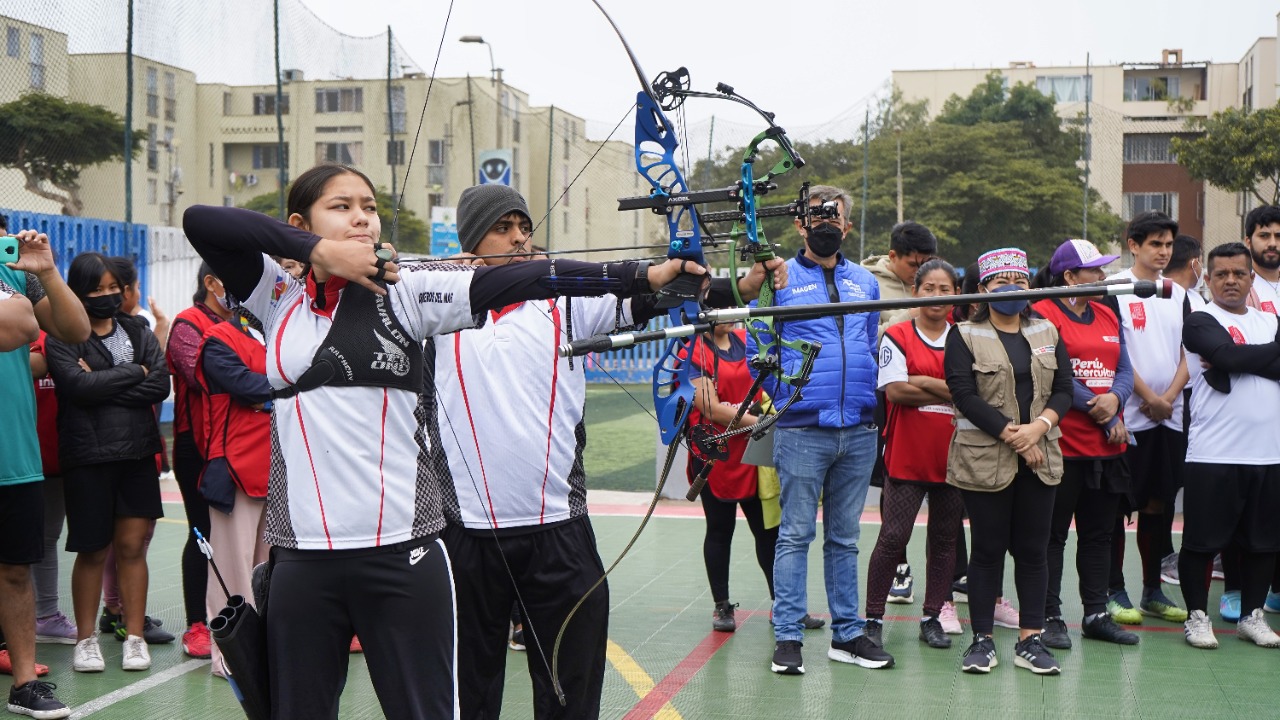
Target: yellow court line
{"type": "Point", "coordinates": [171, 520]}
{"type": "Point", "coordinates": [637, 678]}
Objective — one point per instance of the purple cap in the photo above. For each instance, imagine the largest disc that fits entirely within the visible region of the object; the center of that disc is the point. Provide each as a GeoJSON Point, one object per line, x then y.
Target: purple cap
{"type": "Point", "coordinates": [1074, 254]}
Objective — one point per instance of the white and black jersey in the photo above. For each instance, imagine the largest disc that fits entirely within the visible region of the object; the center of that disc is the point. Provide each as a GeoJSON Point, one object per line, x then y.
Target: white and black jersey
{"type": "Point", "coordinates": [1152, 330]}
{"type": "Point", "coordinates": [506, 420]}
{"type": "Point", "coordinates": [1236, 427]}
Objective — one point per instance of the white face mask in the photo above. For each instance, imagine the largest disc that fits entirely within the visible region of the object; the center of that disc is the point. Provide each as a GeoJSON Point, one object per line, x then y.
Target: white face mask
{"type": "Point", "coordinates": [1200, 281]}
{"type": "Point", "coordinates": [224, 301]}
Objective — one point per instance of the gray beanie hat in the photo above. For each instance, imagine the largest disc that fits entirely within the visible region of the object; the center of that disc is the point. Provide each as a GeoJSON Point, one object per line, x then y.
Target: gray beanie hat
{"type": "Point", "coordinates": [483, 205]}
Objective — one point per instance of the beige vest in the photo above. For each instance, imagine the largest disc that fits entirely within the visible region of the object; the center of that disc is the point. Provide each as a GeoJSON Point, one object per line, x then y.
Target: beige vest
{"type": "Point", "coordinates": [977, 461]}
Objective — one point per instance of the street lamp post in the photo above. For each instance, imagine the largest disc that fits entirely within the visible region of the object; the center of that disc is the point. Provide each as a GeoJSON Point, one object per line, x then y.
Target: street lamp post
{"type": "Point", "coordinates": [495, 79]}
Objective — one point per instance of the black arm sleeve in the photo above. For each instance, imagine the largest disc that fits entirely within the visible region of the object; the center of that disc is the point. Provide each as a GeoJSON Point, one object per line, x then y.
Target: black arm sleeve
{"type": "Point", "coordinates": [958, 364]}
{"type": "Point", "coordinates": [1063, 383]}
{"type": "Point", "coordinates": [1203, 335]}
{"type": "Point", "coordinates": [498, 286]}
{"type": "Point", "coordinates": [232, 241]}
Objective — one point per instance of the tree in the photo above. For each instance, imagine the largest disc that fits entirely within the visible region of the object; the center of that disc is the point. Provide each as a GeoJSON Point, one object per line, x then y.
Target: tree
{"type": "Point", "coordinates": [412, 233]}
{"type": "Point", "coordinates": [1239, 151]}
{"type": "Point", "coordinates": [52, 140]}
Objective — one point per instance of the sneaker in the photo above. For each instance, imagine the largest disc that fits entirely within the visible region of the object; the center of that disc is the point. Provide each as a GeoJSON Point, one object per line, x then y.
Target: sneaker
{"type": "Point", "coordinates": [1272, 605]}
{"type": "Point", "coordinates": [932, 634]}
{"type": "Point", "coordinates": [1169, 568]}
{"type": "Point", "coordinates": [1034, 656]}
{"type": "Point", "coordinates": [1255, 629]}
{"type": "Point", "coordinates": [35, 699]}
{"type": "Point", "coordinates": [787, 659]}
{"type": "Point", "coordinates": [950, 622]}
{"type": "Point", "coordinates": [1229, 606]}
{"type": "Point", "coordinates": [1122, 610]}
{"type": "Point", "coordinates": [901, 590]}
{"type": "Point", "coordinates": [88, 656]}
{"type": "Point", "coordinates": [809, 622]}
{"type": "Point", "coordinates": [109, 621]}
{"type": "Point", "coordinates": [136, 655]}
{"type": "Point", "coordinates": [516, 641]}
{"type": "Point", "coordinates": [1198, 630]}
{"type": "Point", "coordinates": [861, 651]}
{"type": "Point", "coordinates": [55, 628]}
{"type": "Point", "coordinates": [1055, 634]}
{"type": "Point", "coordinates": [1217, 572]}
{"type": "Point", "coordinates": [1155, 604]}
{"type": "Point", "coordinates": [1103, 627]}
{"type": "Point", "coordinates": [981, 655]}
{"type": "Point", "coordinates": [874, 629]}
{"type": "Point", "coordinates": [722, 617]}
{"type": "Point", "coordinates": [1006, 614]}
{"type": "Point", "coordinates": [356, 648]}
{"type": "Point", "coordinates": [6, 665]}
{"type": "Point", "coordinates": [196, 641]}
{"type": "Point", "coordinates": [113, 624]}
{"type": "Point", "coordinates": [960, 590]}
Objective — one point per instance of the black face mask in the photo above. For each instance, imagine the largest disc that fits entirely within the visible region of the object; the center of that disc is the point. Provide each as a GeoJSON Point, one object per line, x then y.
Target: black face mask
{"type": "Point", "coordinates": [824, 240]}
{"type": "Point", "coordinates": [103, 306]}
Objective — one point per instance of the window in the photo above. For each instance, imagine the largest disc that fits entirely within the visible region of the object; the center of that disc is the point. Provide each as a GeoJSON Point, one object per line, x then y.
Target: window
{"type": "Point", "coordinates": [269, 156]}
{"type": "Point", "coordinates": [152, 190]}
{"type": "Point", "coordinates": [396, 120]}
{"type": "Point", "coordinates": [340, 129]}
{"type": "Point", "coordinates": [349, 153]}
{"type": "Point", "coordinates": [515, 168]}
{"type": "Point", "coordinates": [226, 103]}
{"type": "Point", "coordinates": [564, 194]}
{"type": "Point", "coordinates": [395, 153]}
{"type": "Point", "coordinates": [153, 155]}
{"type": "Point", "coordinates": [435, 199]}
{"type": "Point", "coordinates": [1148, 150]}
{"type": "Point", "coordinates": [170, 97]}
{"type": "Point", "coordinates": [435, 162]}
{"type": "Point", "coordinates": [515, 128]}
{"type": "Point", "coordinates": [153, 93]}
{"type": "Point", "coordinates": [265, 104]}
{"type": "Point", "coordinates": [340, 100]}
{"type": "Point", "coordinates": [1072, 88]}
{"type": "Point", "coordinates": [1152, 88]}
{"type": "Point", "coordinates": [1136, 203]}
{"type": "Point", "coordinates": [12, 41]}
{"type": "Point", "coordinates": [37, 61]}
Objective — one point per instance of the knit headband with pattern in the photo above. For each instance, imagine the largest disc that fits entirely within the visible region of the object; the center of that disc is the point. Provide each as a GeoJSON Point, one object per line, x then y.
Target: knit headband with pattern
{"type": "Point", "coordinates": [1004, 260]}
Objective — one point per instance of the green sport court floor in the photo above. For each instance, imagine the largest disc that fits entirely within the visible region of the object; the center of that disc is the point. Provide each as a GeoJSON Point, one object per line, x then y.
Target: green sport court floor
{"type": "Point", "coordinates": [665, 662]}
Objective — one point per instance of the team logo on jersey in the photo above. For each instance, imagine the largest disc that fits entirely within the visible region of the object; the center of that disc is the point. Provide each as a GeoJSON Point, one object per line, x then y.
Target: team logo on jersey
{"type": "Point", "coordinates": [1138, 312]}
{"type": "Point", "coordinates": [391, 358]}
{"type": "Point", "coordinates": [278, 290]}
{"type": "Point", "coordinates": [885, 356]}
{"type": "Point", "coordinates": [1237, 336]}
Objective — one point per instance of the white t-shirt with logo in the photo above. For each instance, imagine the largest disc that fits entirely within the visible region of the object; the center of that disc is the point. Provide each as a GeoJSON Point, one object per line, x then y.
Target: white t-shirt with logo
{"type": "Point", "coordinates": [1153, 336]}
{"type": "Point", "coordinates": [1268, 295]}
{"type": "Point", "coordinates": [1236, 428]}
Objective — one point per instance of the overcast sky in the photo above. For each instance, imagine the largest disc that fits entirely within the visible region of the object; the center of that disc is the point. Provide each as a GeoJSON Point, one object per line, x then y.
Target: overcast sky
{"type": "Point", "coordinates": [808, 62]}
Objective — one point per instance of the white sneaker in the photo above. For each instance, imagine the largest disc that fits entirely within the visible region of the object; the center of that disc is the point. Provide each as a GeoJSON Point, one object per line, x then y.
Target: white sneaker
{"type": "Point", "coordinates": [88, 656]}
{"type": "Point", "coordinates": [950, 623]}
{"type": "Point", "coordinates": [1254, 627]}
{"type": "Point", "coordinates": [1006, 614]}
{"type": "Point", "coordinates": [136, 655]}
{"type": "Point", "coordinates": [1199, 630]}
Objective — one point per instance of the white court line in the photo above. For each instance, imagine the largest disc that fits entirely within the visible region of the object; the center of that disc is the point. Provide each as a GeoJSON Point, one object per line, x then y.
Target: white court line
{"type": "Point", "coordinates": [137, 688]}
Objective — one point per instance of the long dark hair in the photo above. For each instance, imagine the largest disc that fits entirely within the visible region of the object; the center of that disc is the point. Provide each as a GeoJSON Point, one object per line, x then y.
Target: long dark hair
{"type": "Point", "coordinates": [202, 293]}
{"type": "Point", "coordinates": [309, 186]}
{"type": "Point", "coordinates": [86, 272]}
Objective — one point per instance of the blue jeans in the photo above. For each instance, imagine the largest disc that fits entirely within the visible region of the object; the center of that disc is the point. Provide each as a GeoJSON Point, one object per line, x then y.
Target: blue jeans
{"type": "Point", "coordinates": [834, 464]}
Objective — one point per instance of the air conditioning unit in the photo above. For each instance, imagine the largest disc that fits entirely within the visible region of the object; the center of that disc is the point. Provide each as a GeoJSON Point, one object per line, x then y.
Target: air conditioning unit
{"type": "Point", "coordinates": [250, 180]}
{"type": "Point", "coordinates": [290, 75]}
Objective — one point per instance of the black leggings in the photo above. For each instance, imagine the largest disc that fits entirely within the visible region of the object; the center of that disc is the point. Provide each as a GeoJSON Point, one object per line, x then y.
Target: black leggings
{"type": "Point", "coordinates": [187, 465]}
{"type": "Point", "coordinates": [899, 504]}
{"type": "Point", "coordinates": [398, 600]}
{"type": "Point", "coordinates": [1014, 520]}
{"type": "Point", "coordinates": [1094, 510]}
{"type": "Point", "coordinates": [722, 518]}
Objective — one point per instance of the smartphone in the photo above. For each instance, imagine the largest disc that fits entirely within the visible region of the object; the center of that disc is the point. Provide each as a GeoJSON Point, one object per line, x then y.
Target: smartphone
{"type": "Point", "coordinates": [8, 249]}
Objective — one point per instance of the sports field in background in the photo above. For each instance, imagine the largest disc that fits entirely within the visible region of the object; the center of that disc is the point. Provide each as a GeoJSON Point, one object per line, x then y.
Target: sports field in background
{"type": "Point", "coordinates": [620, 438]}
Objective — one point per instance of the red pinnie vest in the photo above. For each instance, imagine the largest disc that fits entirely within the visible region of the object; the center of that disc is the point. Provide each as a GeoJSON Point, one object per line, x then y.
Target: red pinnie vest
{"type": "Point", "coordinates": [729, 479]}
{"type": "Point", "coordinates": [1095, 354]}
{"type": "Point", "coordinates": [916, 438]}
{"type": "Point", "coordinates": [188, 402]}
{"type": "Point", "coordinates": [233, 431]}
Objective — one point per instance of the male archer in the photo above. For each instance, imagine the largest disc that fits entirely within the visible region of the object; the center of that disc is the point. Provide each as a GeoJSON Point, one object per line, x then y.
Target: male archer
{"type": "Point", "coordinates": [505, 417]}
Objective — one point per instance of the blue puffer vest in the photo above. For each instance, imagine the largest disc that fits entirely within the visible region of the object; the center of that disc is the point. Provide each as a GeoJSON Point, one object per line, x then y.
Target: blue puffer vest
{"type": "Point", "coordinates": [842, 389]}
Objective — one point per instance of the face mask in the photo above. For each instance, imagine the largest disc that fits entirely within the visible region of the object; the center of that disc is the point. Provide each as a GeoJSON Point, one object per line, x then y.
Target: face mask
{"type": "Point", "coordinates": [224, 300]}
{"type": "Point", "coordinates": [1008, 307]}
{"type": "Point", "coordinates": [1199, 286]}
{"type": "Point", "coordinates": [824, 240]}
{"type": "Point", "coordinates": [103, 306]}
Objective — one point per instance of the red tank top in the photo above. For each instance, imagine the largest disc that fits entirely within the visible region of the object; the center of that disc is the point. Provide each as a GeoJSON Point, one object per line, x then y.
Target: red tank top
{"type": "Point", "coordinates": [916, 438]}
{"type": "Point", "coordinates": [729, 479]}
{"type": "Point", "coordinates": [1095, 354]}
{"type": "Point", "coordinates": [240, 434]}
